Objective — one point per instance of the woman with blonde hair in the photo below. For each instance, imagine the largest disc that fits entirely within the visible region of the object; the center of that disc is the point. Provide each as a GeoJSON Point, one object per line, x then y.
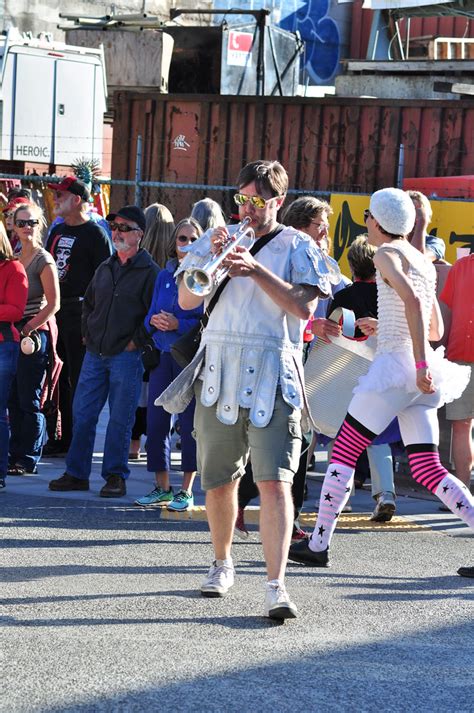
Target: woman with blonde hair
{"type": "Point", "coordinates": [159, 227]}
{"type": "Point", "coordinates": [27, 422]}
{"type": "Point", "coordinates": [208, 214]}
{"type": "Point", "coordinates": [158, 231]}
{"type": "Point", "coordinates": [13, 294]}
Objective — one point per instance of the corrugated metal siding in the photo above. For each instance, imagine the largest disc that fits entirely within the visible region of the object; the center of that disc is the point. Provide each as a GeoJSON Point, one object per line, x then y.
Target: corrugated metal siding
{"type": "Point", "coordinates": [419, 27]}
{"type": "Point", "coordinates": [327, 145]}
{"type": "Point", "coordinates": [360, 30]}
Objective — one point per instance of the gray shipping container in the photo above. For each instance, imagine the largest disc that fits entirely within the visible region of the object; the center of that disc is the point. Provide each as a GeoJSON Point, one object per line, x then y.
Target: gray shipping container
{"type": "Point", "coordinates": [278, 74]}
{"type": "Point", "coordinates": [236, 60]}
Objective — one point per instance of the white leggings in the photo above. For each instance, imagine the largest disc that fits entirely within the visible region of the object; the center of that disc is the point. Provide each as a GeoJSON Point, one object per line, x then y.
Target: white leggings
{"type": "Point", "coordinates": [417, 413]}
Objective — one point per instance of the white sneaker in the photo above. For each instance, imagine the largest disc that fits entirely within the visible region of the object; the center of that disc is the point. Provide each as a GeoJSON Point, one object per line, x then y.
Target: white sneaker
{"type": "Point", "coordinates": [384, 508]}
{"type": "Point", "coordinates": [277, 602]}
{"type": "Point", "coordinates": [219, 580]}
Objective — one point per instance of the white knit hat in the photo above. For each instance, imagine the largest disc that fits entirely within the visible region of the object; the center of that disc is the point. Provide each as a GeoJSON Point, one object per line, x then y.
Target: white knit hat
{"type": "Point", "coordinates": [393, 210]}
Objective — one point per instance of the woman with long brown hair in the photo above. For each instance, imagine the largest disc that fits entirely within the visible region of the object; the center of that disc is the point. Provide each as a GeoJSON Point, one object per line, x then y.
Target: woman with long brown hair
{"type": "Point", "coordinates": [13, 294]}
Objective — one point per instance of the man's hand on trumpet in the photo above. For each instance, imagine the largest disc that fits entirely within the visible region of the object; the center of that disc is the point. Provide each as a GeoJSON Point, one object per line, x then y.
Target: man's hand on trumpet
{"type": "Point", "coordinates": [219, 239]}
{"type": "Point", "coordinates": [241, 262]}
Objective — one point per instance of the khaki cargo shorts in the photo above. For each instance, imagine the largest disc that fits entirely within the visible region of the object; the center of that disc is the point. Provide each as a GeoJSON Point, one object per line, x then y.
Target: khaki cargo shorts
{"type": "Point", "coordinates": [463, 407]}
{"type": "Point", "coordinates": [223, 451]}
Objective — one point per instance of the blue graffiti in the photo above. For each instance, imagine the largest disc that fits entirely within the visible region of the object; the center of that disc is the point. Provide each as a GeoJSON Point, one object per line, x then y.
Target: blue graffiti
{"type": "Point", "coordinates": [308, 17]}
{"type": "Point", "coordinates": [321, 35]}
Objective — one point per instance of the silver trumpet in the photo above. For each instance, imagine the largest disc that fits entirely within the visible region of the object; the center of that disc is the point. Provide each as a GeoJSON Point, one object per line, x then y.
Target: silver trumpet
{"type": "Point", "coordinates": [202, 280]}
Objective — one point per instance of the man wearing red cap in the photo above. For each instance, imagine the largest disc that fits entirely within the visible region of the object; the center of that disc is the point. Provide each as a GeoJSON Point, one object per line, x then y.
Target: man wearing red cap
{"type": "Point", "coordinates": [78, 246]}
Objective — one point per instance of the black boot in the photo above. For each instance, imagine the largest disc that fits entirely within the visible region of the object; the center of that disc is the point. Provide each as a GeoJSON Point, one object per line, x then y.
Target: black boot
{"type": "Point", "coordinates": [300, 552]}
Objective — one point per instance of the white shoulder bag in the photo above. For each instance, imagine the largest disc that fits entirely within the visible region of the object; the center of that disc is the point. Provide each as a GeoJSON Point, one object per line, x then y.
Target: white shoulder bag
{"type": "Point", "coordinates": [332, 372]}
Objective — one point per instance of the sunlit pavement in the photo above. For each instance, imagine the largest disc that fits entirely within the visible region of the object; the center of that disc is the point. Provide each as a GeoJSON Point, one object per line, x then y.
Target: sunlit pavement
{"type": "Point", "coordinates": [100, 609]}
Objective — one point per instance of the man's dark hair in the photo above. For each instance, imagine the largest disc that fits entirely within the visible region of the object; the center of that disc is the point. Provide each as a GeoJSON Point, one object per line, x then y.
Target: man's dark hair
{"type": "Point", "coordinates": [269, 176]}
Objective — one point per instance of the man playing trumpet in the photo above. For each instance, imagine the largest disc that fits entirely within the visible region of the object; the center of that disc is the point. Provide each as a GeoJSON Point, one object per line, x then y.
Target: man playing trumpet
{"type": "Point", "coordinates": [249, 390]}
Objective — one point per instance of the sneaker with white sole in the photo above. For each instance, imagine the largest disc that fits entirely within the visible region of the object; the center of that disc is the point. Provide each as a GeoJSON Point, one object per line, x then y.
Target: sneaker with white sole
{"type": "Point", "coordinates": [384, 508]}
{"type": "Point", "coordinates": [240, 528]}
{"type": "Point", "coordinates": [158, 497]}
{"type": "Point", "coordinates": [181, 502]}
{"type": "Point", "coordinates": [219, 580]}
{"type": "Point", "coordinates": [277, 601]}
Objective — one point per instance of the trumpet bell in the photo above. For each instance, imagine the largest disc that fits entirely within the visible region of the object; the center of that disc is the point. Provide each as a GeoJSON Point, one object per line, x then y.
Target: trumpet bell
{"type": "Point", "coordinates": [198, 281]}
{"type": "Point", "coordinates": [202, 280]}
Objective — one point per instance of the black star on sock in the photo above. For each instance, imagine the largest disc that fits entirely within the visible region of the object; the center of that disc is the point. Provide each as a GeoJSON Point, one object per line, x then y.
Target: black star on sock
{"type": "Point", "coordinates": [445, 489]}
{"type": "Point", "coordinates": [348, 490]}
{"type": "Point", "coordinates": [328, 497]}
{"type": "Point", "coordinates": [334, 473]}
{"type": "Point", "coordinates": [321, 530]}
{"type": "Point", "coordinates": [336, 515]}
{"type": "Point", "coordinates": [460, 505]}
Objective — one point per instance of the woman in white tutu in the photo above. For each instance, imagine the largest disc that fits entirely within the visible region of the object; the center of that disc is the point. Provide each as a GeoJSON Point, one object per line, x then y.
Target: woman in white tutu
{"type": "Point", "coordinates": [407, 378]}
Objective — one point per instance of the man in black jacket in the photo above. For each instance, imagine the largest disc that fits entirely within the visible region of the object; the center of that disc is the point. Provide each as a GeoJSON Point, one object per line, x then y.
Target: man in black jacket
{"type": "Point", "coordinates": [115, 305]}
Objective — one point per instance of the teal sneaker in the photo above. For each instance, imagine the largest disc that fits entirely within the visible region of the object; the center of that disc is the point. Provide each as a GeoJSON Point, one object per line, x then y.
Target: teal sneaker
{"type": "Point", "coordinates": [158, 497]}
{"type": "Point", "coordinates": [182, 501]}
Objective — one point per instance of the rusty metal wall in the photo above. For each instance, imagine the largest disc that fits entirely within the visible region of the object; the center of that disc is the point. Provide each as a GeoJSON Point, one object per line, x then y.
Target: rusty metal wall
{"type": "Point", "coordinates": [420, 27]}
{"type": "Point", "coordinates": [328, 145]}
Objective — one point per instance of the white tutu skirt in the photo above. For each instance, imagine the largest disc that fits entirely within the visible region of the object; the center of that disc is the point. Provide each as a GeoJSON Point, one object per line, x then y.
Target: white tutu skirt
{"type": "Point", "coordinates": [391, 370]}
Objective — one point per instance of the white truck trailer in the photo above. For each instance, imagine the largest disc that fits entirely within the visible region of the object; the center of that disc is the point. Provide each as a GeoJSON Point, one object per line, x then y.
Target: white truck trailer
{"type": "Point", "coordinates": [52, 100]}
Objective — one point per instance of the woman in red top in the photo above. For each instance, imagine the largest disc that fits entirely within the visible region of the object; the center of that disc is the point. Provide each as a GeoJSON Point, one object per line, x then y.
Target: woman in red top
{"type": "Point", "coordinates": [13, 294]}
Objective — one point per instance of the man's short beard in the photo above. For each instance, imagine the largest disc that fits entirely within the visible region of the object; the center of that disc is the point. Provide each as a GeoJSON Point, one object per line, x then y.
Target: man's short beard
{"type": "Point", "coordinates": [121, 246]}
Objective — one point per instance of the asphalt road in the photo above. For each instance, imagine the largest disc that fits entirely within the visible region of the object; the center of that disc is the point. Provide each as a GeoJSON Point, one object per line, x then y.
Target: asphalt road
{"type": "Point", "coordinates": [100, 611]}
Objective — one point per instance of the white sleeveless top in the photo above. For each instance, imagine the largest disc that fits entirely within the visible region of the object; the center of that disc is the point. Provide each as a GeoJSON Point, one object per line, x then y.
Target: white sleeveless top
{"type": "Point", "coordinates": [394, 363]}
{"type": "Point", "coordinates": [392, 332]}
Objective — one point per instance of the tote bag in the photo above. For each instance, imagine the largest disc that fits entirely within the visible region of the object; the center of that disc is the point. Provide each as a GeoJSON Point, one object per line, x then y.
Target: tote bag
{"type": "Point", "coordinates": [331, 373]}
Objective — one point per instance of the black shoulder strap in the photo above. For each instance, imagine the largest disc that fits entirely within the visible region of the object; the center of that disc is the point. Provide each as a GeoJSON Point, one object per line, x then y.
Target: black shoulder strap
{"type": "Point", "coordinates": [257, 246]}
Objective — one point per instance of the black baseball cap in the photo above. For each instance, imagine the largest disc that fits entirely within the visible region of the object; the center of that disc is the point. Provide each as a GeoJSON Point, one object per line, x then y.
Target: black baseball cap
{"type": "Point", "coordinates": [74, 186]}
{"type": "Point", "coordinates": [130, 212]}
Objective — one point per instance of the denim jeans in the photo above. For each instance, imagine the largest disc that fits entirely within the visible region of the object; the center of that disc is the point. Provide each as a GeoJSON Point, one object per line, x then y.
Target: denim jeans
{"type": "Point", "coordinates": [27, 423]}
{"type": "Point", "coordinates": [159, 421]}
{"type": "Point", "coordinates": [119, 378]}
{"type": "Point", "coordinates": [8, 361]}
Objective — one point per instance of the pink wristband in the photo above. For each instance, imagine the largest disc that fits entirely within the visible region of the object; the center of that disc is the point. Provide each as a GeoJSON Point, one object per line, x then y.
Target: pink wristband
{"type": "Point", "coordinates": [421, 365]}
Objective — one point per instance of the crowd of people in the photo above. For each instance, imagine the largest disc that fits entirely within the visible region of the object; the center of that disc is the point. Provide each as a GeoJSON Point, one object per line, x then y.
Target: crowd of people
{"type": "Point", "coordinates": [90, 312]}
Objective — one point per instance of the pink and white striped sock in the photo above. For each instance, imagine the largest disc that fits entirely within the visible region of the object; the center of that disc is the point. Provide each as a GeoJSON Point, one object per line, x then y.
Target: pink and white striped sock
{"type": "Point", "coordinates": [352, 439]}
{"type": "Point", "coordinates": [426, 468]}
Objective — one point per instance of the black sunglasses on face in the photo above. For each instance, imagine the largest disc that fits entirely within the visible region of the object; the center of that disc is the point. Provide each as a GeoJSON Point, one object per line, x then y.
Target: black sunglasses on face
{"type": "Point", "coordinates": [185, 239]}
{"type": "Point", "coordinates": [32, 223]}
{"type": "Point", "coordinates": [121, 227]}
{"type": "Point", "coordinates": [367, 214]}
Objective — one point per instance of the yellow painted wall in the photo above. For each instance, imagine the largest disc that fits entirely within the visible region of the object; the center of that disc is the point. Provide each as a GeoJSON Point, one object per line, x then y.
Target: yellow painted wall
{"type": "Point", "coordinates": [453, 221]}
